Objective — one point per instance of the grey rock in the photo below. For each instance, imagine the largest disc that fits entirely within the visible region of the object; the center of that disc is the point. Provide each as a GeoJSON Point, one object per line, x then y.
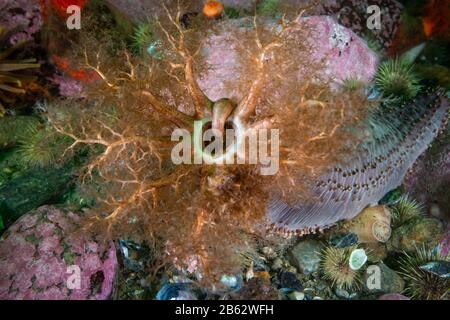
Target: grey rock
{"type": "Point", "coordinates": [321, 286]}
{"type": "Point", "coordinates": [344, 294]}
{"type": "Point", "coordinates": [439, 268]}
{"type": "Point", "coordinates": [289, 280]}
{"type": "Point", "coordinates": [389, 281]}
{"type": "Point", "coordinates": [296, 295]}
{"type": "Point", "coordinates": [306, 256]}
{"type": "Point", "coordinates": [341, 293]}
{"type": "Point", "coordinates": [415, 233]}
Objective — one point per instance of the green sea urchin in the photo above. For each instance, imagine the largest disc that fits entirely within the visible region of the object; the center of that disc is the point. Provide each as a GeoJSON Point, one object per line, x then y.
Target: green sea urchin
{"type": "Point", "coordinates": [405, 209]}
{"type": "Point", "coordinates": [142, 37]}
{"type": "Point", "coordinates": [422, 284]}
{"type": "Point", "coordinates": [41, 146]}
{"type": "Point", "coordinates": [352, 84]}
{"type": "Point", "coordinates": [396, 78]}
{"type": "Point", "coordinates": [336, 268]}
{"type": "Point", "coordinates": [13, 128]}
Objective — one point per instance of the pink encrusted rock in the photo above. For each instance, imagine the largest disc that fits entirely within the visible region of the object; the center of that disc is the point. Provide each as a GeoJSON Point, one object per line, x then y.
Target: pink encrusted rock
{"type": "Point", "coordinates": [428, 180]}
{"type": "Point", "coordinates": [353, 14]}
{"type": "Point", "coordinates": [393, 296]}
{"type": "Point", "coordinates": [23, 17]}
{"type": "Point", "coordinates": [344, 54]}
{"type": "Point", "coordinates": [37, 251]}
{"type": "Point", "coordinates": [68, 87]}
{"type": "Point", "coordinates": [444, 245]}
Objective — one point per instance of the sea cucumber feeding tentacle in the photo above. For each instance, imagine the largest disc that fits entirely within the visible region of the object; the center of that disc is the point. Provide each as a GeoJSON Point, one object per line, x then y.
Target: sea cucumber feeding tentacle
{"type": "Point", "coordinates": [396, 140]}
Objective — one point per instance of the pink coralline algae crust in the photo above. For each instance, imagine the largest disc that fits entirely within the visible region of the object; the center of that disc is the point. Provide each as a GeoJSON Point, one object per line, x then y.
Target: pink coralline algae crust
{"type": "Point", "coordinates": [393, 296]}
{"type": "Point", "coordinates": [429, 178]}
{"type": "Point", "coordinates": [37, 250]}
{"type": "Point", "coordinates": [344, 53]}
{"type": "Point", "coordinates": [353, 14]}
{"type": "Point", "coordinates": [22, 16]}
{"type": "Point", "coordinates": [68, 87]}
{"type": "Point", "coordinates": [444, 245]}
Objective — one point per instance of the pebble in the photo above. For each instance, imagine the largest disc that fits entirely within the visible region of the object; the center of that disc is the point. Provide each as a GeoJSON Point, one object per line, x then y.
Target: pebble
{"type": "Point", "coordinates": [341, 293]}
{"type": "Point", "coordinates": [277, 264]}
{"type": "Point", "coordinates": [232, 282]}
{"type": "Point", "coordinates": [291, 269]}
{"type": "Point", "coordinates": [321, 286]}
{"type": "Point", "coordinates": [269, 253]}
{"type": "Point", "coordinates": [296, 295]}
